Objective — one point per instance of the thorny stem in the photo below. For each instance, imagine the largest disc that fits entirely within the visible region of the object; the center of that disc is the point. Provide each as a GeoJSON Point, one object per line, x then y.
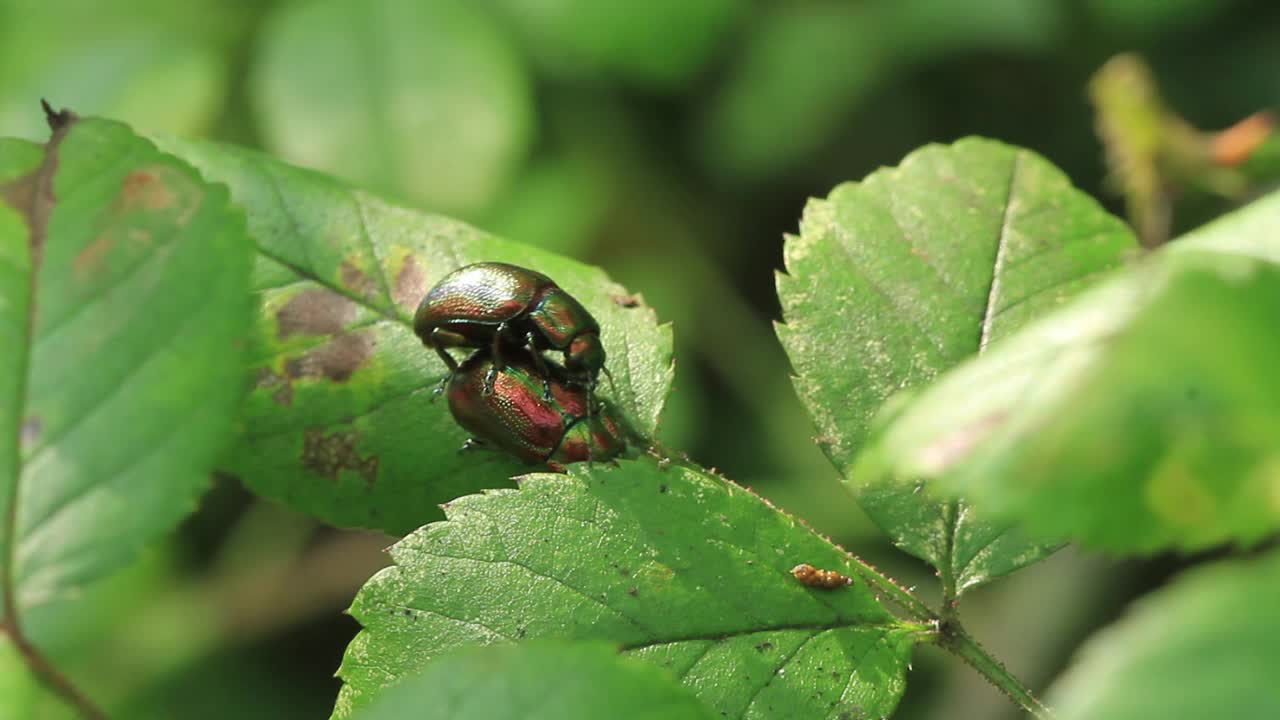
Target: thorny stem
{"type": "Point", "coordinates": [946, 571]}
{"type": "Point", "coordinates": [953, 638]}
{"type": "Point", "coordinates": [48, 674]}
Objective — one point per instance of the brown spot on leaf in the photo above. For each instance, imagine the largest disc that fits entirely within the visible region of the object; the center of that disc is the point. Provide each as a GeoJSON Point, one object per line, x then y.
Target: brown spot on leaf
{"type": "Point", "coordinates": [158, 187]}
{"type": "Point", "coordinates": [336, 360]}
{"type": "Point", "coordinates": [316, 311]}
{"type": "Point", "coordinates": [411, 285]}
{"type": "Point", "coordinates": [626, 301]}
{"type": "Point", "coordinates": [89, 261]}
{"type": "Point", "coordinates": [330, 454]}
{"type": "Point", "coordinates": [356, 280]}
{"type": "Point", "coordinates": [141, 188]}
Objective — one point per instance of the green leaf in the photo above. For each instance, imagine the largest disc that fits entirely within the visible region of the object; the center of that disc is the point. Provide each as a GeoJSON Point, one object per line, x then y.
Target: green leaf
{"type": "Point", "coordinates": [659, 43]}
{"type": "Point", "coordinates": [1202, 647]}
{"type": "Point", "coordinates": [123, 309]}
{"type": "Point", "coordinates": [424, 101]}
{"type": "Point", "coordinates": [341, 423]}
{"type": "Point", "coordinates": [676, 566]}
{"type": "Point", "coordinates": [551, 680]}
{"type": "Point", "coordinates": [1142, 416]}
{"type": "Point", "coordinates": [19, 687]}
{"type": "Point", "coordinates": [901, 277]}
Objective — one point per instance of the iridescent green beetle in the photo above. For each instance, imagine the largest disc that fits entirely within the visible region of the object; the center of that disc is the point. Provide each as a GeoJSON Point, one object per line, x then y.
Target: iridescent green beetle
{"type": "Point", "coordinates": [504, 307]}
{"type": "Point", "coordinates": [558, 428]}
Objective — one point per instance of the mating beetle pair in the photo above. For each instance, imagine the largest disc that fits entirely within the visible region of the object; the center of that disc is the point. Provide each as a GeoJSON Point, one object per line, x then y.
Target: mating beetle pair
{"type": "Point", "coordinates": [511, 315]}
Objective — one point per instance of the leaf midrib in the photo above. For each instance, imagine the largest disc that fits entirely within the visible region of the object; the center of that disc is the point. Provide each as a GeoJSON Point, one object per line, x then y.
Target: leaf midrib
{"type": "Point", "coordinates": [36, 214]}
{"type": "Point", "coordinates": [309, 274]}
{"type": "Point", "coordinates": [951, 510]}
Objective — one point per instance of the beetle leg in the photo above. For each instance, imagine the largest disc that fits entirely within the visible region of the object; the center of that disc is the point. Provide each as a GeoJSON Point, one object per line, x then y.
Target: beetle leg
{"type": "Point", "coordinates": [439, 343]}
{"type": "Point", "coordinates": [613, 389]}
{"type": "Point", "coordinates": [496, 353]}
{"type": "Point", "coordinates": [540, 364]}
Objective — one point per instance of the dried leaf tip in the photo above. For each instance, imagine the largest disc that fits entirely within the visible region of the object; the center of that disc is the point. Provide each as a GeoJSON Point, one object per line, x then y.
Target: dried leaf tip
{"type": "Point", "coordinates": [813, 577]}
{"type": "Point", "coordinates": [57, 119]}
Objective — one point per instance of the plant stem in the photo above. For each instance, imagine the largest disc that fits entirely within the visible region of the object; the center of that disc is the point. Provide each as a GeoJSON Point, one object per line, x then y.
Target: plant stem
{"type": "Point", "coordinates": [946, 571]}
{"type": "Point", "coordinates": [956, 640]}
{"type": "Point", "coordinates": [50, 675]}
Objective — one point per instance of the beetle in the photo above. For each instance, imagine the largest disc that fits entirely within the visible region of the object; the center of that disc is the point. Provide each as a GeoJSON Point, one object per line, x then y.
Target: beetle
{"type": "Point", "coordinates": [504, 307]}
{"type": "Point", "coordinates": [515, 415]}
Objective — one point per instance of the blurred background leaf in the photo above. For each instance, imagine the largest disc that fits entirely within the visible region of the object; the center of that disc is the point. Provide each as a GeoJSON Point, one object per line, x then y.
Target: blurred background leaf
{"type": "Point", "coordinates": [1201, 647]}
{"type": "Point", "coordinates": [661, 44]}
{"type": "Point", "coordinates": [425, 101]}
{"type": "Point", "coordinates": [153, 64]}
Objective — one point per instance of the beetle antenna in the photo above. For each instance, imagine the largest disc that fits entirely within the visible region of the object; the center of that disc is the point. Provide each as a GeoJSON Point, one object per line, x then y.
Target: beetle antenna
{"type": "Point", "coordinates": [613, 389]}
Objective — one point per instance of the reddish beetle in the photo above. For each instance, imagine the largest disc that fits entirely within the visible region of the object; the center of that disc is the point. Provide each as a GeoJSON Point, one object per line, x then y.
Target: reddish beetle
{"type": "Point", "coordinates": [538, 419]}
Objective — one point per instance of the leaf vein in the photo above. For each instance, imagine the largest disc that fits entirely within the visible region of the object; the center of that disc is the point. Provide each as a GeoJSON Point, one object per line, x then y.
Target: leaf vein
{"type": "Point", "coordinates": [997, 265]}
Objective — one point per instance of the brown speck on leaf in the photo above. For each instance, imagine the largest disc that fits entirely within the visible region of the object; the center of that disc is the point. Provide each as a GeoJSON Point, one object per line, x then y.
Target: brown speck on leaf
{"type": "Point", "coordinates": [336, 360]}
{"type": "Point", "coordinates": [626, 301]}
{"type": "Point", "coordinates": [329, 454]}
{"type": "Point", "coordinates": [315, 311]}
{"type": "Point", "coordinates": [411, 285]}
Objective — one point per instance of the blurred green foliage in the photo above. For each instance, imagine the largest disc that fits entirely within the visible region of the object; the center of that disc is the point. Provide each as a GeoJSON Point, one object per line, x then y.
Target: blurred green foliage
{"type": "Point", "coordinates": [672, 143]}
